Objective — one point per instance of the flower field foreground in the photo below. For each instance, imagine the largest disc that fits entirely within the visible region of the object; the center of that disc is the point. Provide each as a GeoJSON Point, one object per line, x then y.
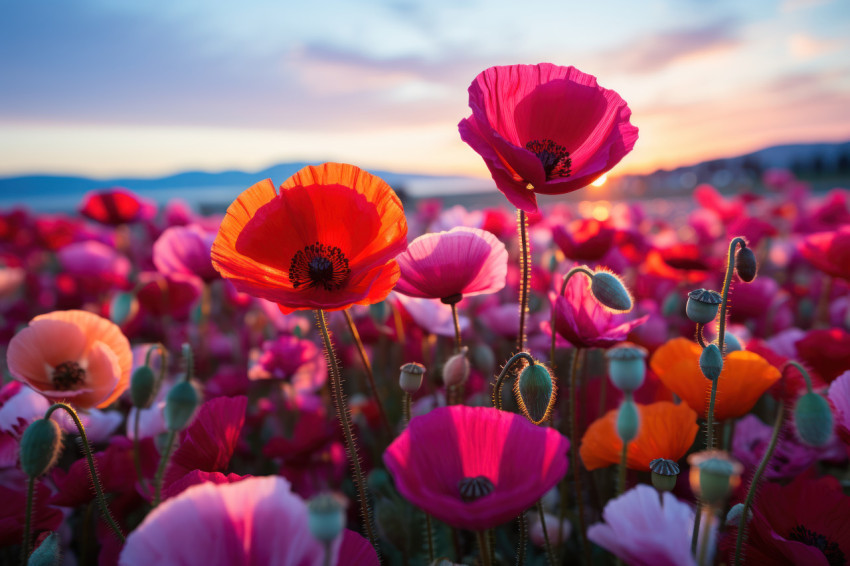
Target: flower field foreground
{"type": "Point", "coordinates": [322, 376]}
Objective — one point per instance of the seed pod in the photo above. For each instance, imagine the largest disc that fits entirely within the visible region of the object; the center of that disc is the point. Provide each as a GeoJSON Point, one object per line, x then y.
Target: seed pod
{"type": "Point", "coordinates": [714, 475]}
{"type": "Point", "coordinates": [610, 291]}
{"type": "Point", "coordinates": [628, 421]}
{"type": "Point", "coordinates": [626, 366]}
{"type": "Point", "coordinates": [745, 264]}
{"type": "Point", "coordinates": [142, 386]}
{"type": "Point", "coordinates": [733, 517]}
{"type": "Point", "coordinates": [180, 406]}
{"type": "Point", "coordinates": [326, 518]}
{"type": "Point", "coordinates": [41, 446]}
{"type": "Point", "coordinates": [703, 305]}
{"type": "Point", "coordinates": [813, 419]}
{"type": "Point", "coordinates": [711, 362]}
{"type": "Point", "coordinates": [456, 368]}
{"type": "Point", "coordinates": [535, 393]}
{"type": "Point", "coordinates": [664, 474]}
{"type": "Point", "coordinates": [410, 379]}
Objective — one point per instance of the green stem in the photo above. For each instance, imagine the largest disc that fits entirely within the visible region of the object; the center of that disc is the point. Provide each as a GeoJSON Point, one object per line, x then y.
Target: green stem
{"type": "Point", "coordinates": [95, 478]}
{"type": "Point", "coordinates": [456, 319]}
{"type": "Point", "coordinates": [621, 477]}
{"type": "Point", "coordinates": [574, 458]}
{"type": "Point", "coordinates": [405, 409]}
{"type": "Point", "coordinates": [706, 531]}
{"type": "Point", "coordinates": [522, 542]}
{"type": "Point", "coordinates": [525, 267]}
{"type": "Point", "coordinates": [163, 463]}
{"type": "Point", "coordinates": [345, 421]}
{"type": "Point", "coordinates": [751, 492]}
{"type": "Point", "coordinates": [429, 529]}
{"type": "Point", "coordinates": [497, 392]}
{"type": "Point", "coordinates": [570, 273]}
{"type": "Point", "coordinates": [550, 554]}
{"type": "Point", "coordinates": [481, 536]}
{"type": "Point", "coordinates": [25, 544]}
{"type": "Point", "coordinates": [369, 373]}
{"type": "Point", "coordinates": [802, 370]}
{"type": "Point", "coordinates": [137, 460]}
{"type": "Point", "coordinates": [697, 520]}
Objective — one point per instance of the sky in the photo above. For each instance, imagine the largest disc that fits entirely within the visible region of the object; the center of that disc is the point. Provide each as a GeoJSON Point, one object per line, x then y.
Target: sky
{"type": "Point", "coordinates": [138, 88]}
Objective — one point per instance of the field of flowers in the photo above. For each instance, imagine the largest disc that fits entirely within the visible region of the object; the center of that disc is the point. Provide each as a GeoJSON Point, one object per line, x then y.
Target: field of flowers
{"type": "Point", "coordinates": [322, 377]}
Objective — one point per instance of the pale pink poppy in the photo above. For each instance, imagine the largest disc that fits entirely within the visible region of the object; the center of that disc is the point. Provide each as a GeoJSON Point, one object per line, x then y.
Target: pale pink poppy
{"type": "Point", "coordinates": [75, 356]}
{"type": "Point", "coordinates": [185, 249]}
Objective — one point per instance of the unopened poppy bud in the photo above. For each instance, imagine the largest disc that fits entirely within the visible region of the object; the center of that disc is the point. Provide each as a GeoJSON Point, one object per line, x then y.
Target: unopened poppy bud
{"type": "Point", "coordinates": [326, 518]}
{"type": "Point", "coordinates": [123, 307]}
{"type": "Point", "coordinates": [379, 312]}
{"type": "Point", "coordinates": [180, 406]}
{"type": "Point", "coordinates": [628, 421]}
{"type": "Point", "coordinates": [733, 517]}
{"type": "Point", "coordinates": [745, 264]}
{"type": "Point", "coordinates": [535, 393]}
{"type": "Point", "coordinates": [142, 386]}
{"type": "Point", "coordinates": [711, 362]}
{"type": "Point", "coordinates": [664, 474]}
{"type": "Point", "coordinates": [714, 475]}
{"type": "Point", "coordinates": [48, 553]}
{"type": "Point", "coordinates": [672, 305]}
{"type": "Point", "coordinates": [731, 343]}
{"type": "Point", "coordinates": [41, 445]}
{"type": "Point", "coordinates": [813, 419]}
{"type": "Point", "coordinates": [456, 368]}
{"type": "Point", "coordinates": [610, 291]}
{"type": "Point", "coordinates": [703, 305]}
{"type": "Point", "coordinates": [410, 379]}
{"type": "Point", "coordinates": [626, 366]}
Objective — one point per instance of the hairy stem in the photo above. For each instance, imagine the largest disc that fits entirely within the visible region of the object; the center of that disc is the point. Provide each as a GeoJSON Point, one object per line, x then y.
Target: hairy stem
{"type": "Point", "coordinates": [483, 547]}
{"type": "Point", "coordinates": [525, 268]}
{"type": "Point", "coordinates": [456, 319]}
{"type": "Point", "coordinates": [574, 456]}
{"type": "Point", "coordinates": [497, 392]}
{"type": "Point", "coordinates": [550, 554]}
{"type": "Point", "coordinates": [621, 476]}
{"type": "Point", "coordinates": [369, 373]}
{"type": "Point", "coordinates": [160, 469]}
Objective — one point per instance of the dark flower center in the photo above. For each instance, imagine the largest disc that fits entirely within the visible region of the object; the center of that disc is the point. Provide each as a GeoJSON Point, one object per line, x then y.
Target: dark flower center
{"type": "Point", "coordinates": [834, 555]}
{"type": "Point", "coordinates": [554, 157]}
{"type": "Point", "coordinates": [68, 375]}
{"type": "Point", "coordinates": [319, 265]}
{"type": "Point", "coordinates": [474, 488]}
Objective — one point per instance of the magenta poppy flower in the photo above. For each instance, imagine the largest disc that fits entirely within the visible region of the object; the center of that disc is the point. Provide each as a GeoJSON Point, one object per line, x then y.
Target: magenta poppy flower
{"type": "Point", "coordinates": [185, 249]}
{"type": "Point", "coordinates": [826, 351]}
{"type": "Point", "coordinates": [545, 129]}
{"type": "Point", "coordinates": [298, 361]}
{"type": "Point", "coordinates": [253, 521]}
{"type": "Point", "coordinates": [839, 396]}
{"type": "Point", "coordinates": [475, 467]}
{"type": "Point", "coordinates": [450, 265]}
{"type": "Point", "coordinates": [829, 252]}
{"type": "Point", "coordinates": [584, 322]}
{"type": "Point", "coordinates": [175, 294]}
{"type": "Point", "coordinates": [790, 459]}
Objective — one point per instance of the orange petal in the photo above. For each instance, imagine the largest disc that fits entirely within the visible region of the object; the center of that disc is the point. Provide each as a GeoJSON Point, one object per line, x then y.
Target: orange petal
{"type": "Point", "coordinates": [103, 375]}
{"type": "Point", "coordinates": [43, 344]}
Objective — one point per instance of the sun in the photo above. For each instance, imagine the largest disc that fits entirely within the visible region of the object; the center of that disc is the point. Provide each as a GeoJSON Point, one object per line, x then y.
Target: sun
{"type": "Point", "coordinates": [600, 181]}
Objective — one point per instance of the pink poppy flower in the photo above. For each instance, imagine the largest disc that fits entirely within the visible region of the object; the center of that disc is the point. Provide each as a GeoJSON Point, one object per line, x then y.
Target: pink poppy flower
{"type": "Point", "coordinates": [475, 467]}
{"type": "Point", "coordinates": [642, 531]}
{"type": "Point", "coordinates": [545, 129]}
{"type": "Point", "coordinates": [790, 458]}
{"type": "Point", "coordinates": [584, 322]}
{"type": "Point", "coordinates": [116, 206]}
{"type": "Point", "coordinates": [254, 521]}
{"type": "Point", "coordinates": [175, 294]}
{"type": "Point", "coordinates": [839, 396]}
{"type": "Point", "coordinates": [829, 252]}
{"type": "Point", "coordinates": [73, 355]}
{"type": "Point", "coordinates": [451, 265]}
{"type": "Point", "coordinates": [432, 315]}
{"type": "Point", "coordinates": [299, 362]}
{"type": "Point", "coordinates": [185, 249]}
{"type": "Point", "coordinates": [96, 264]}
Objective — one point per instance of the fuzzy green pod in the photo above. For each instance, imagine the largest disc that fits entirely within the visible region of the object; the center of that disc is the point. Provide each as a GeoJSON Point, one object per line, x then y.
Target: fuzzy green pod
{"type": "Point", "coordinates": [48, 553]}
{"type": "Point", "coordinates": [813, 419]}
{"type": "Point", "coordinates": [410, 378]}
{"type": "Point", "coordinates": [733, 517]}
{"type": "Point", "coordinates": [180, 406]}
{"type": "Point", "coordinates": [142, 387]}
{"type": "Point", "coordinates": [41, 445]}
{"type": "Point", "coordinates": [702, 305]}
{"type": "Point", "coordinates": [326, 517]}
{"type": "Point", "coordinates": [714, 475]}
{"type": "Point", "coordinates": [535, 393]}
{"type": "Point", "coordinates": [745, 264]}
{"type": "Point", "coordinates": [711, 362]}
{"type": "Point", "coordinates": [610, 291]}
{"type": "Point", "coordinates": [626, 366]}
{"type": "Point", "coordinates": [628, 421]}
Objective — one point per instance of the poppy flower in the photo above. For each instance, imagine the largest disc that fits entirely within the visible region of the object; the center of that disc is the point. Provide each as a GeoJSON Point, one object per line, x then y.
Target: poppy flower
{"type": "Point", "coordinates": [475, 467]}
{"type": "Point", "coordinates": [295, 360]}
{"type": "Point", "coordinates": [114, 206]}
{"type": "Point", "coordinates": [826, 351]}
{"type": "Point", "coordinates": [745, 377]}
{"type": "Point", "coordinates": [74, 356]}
{"type": "Point", "coordinates": [790, 458]}
{"type": "Point", "coordinates": [666, 431]}
{"type": "Point", "coordinates": [839, 396]}
{"type": "Point", "coordinates": [186, 250]}
{"type": "Point", "coordinates": [585, 240]}
{"type": "Point", "coordinates": [327, 241]}
{"type": "Point", "coordinates": [829, 252]}
{"type": "Point", "coordinates": [451, 265]}
{"type": "Point", "coordinates": [804, 522]}
{"type": "Point", "coordinates": [545, 129]}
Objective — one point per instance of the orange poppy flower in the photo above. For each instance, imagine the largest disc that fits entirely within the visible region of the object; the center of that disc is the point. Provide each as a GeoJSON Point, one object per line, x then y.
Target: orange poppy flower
{"type": "Point", "coordinates": [327, 241]}
{"type": "Point", "coordinates": [745, 377]}
{"type": "Point", "coordinates": [666, 431]}
{"type": "Point", "coordinates": [76, 356]}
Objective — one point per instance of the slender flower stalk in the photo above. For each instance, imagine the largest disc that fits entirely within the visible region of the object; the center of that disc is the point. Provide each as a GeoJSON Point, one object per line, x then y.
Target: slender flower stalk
{"type": "Point", "coordinates": [497, 391]}
{"type": "Point", "coordinates": [25, 545]}
{"type": "Point", "coordinates": [405, 409]}
{"type": "Point", "coordinates": [137, 460]}
{"type": "Point", "coordinates": [525, 268]}
{"type": "Point", "coordinates": [566, 280]}
{"type": "Point", "coordinates": [483, 547]}
{"type": "Point", "coordinates": [621, 476]}
{"type": "Point", "coordinates": [163, 463]}
{"type": "Point", "coordinates": [574, 455]}
{"type": "Point", "coordinates": [369, 373]}
{"type": "Point", "coordinates": [550, 554]}
{"type": "Point", "coordinates": [456, 318]}
{"type": "Point", "coordinates": [345, 421]}
{"type": "Point", "coordinates": [522, 541]}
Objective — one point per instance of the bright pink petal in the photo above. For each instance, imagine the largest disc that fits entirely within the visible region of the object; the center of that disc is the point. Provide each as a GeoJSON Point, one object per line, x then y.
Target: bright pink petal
{"type": "Point", "coordinates": [197, 477]}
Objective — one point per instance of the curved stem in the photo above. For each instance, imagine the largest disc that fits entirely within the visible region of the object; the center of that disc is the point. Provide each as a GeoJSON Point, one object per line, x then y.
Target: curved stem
{"type": "Point", "coordinates": [95, 478]}
{"type": "Point", "coordinates": [751, 492]}
{"type": "Point", "coordinates": [160, 469]}
{"type": "Point", "coordinates": [574, 457]}
{"type": "Point", "coordinates": [456, 318]}
{"type": "Point", "coordinates": [570, 273]}
{"type": "Point", "coordinates": [801, 369]}
{"type": "Point", "coordinates": [497, 392]}
{"type": "Point", "coordinates": [550, 555]}
{"type": "Point", "coordinates": [525, 268]}
{"type": "Point", "coordinates": [700, 337]}
{"type": "Point", "coordinates": [25, 544]}
{"type": "Point", "coordinates": [369, 373]}
{"type": "Point", "coordinates": [345, 422]}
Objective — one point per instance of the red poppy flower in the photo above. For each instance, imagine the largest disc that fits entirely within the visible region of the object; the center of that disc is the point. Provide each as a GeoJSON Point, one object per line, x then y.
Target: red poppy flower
{"type": "Point", "coordinates": [826, 351]}
{"type": "Point", "coordinates": [545, 129]}
{"type": "Point", "coordinates": [113, 207]}
{"type": "Point", "coordinates": [829, 252]}
{"type": "Point", "coordinates": [585, 240]}
{"type": "Point", "coordinates": [327, 241]}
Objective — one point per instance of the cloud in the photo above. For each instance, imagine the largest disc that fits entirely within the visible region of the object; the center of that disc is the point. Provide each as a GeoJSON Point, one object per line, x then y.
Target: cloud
{"type": "Point", "coordinates": [805, 47]}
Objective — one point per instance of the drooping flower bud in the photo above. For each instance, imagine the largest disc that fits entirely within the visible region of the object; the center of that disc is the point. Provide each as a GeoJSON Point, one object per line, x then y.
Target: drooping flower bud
{"type": "Point", "coordinates": [733, 517]}
{"type": "Point", "coordinates": [703, 305]}
{"type": "Point", "coordinates": [123, 307]}
{"type": "Point", "coordinates": [714, 475]}
{"type": "Point", "coordinates": [535, 393]}
{"type": "Point", "coordinates": [456, 368]}
{"type": "Point", "coordinates": [610, 291]}
{"type": "Point", "coordinates": [41, 445]}
{"type": "Point", "coordinates": [745, 264]}
{"type": "Point", "coordinates": [48, 553]}
{"type": "Point", "coordinates": [410, 379]}
{"type": "Point", "coordinates": [664, 474]}
{"type": "Point", "coordinates": [813, 419]}
{"type": "Point", "coordinates": [628, 420]}
{"type": "Point", "coordinates": [180, 406]}
{"type": "Point", "coordinates": [711, 362]}
{"type": "Point", "coordinates": [142, 386]}
{"type": "Point", "coordinates": [627, 366]}
{"type": "Point", "coordinates": [326, 517]}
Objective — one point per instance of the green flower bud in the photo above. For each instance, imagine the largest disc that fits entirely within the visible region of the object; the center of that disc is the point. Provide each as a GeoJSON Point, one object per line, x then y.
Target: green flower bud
{"type": "Point", "coordinates": [48, 552]}
{"type": "Point", "coordinates": [711, 362]}
{"type": "Point", "coordinates": [123, 307]}
{"type": "Point", "coordinates": [731, 343]}
{"type": "Point", "coordinates": [535, 393]}
{"type": "Point", "coordinates": [714, 475]}
{"type": "Point", "coordinates": [410, 379]}
{"type": "Point", "coordinates": [180, 406]}
{"type": "Point", "coordinates": [672, 305]}
{"type": "Point", "coordinates": [610, 291]}
{"type": "Point", "coordinates": [745, 264]}
{"type": "Point", "coordinates": [456, 368]}
{"type": "Point", "coordinates": [41, 446]}
{"type": "Point", "coordinates": [628, 421]}
{"type": "Point", "coordinates": [142, 386]}
{"type": "Point", "coordinates": [703, 305]}
{"type": "Point", "coordinates": [626, 366]}
{"type": "Point", "coordinates": [326, 518]}
{"type": "Point", "coordinates": [733, 517]}
{"type": "Point", "coordinates": [813, 419]}
{"type": "Point", "coordinates": [379, 312]}
{"type": "Point", "coordinates": [664, 474]}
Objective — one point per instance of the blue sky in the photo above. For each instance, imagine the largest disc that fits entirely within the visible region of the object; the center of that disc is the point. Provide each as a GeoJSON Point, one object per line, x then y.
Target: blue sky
{"type": "Point", "coordinates": [105, 88]}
